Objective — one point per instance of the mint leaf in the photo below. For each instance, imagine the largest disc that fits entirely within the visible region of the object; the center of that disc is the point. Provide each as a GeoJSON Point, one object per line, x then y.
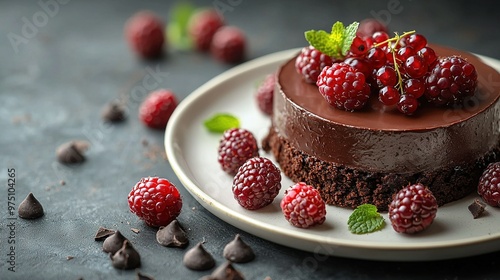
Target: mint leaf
{"type": "Point", "coordinates": [221, 122]}
{"type": "Point", "coordinates": [177, 33]}
{"type": "Point", "coordinates": [365, 219]}
{"type": "Point", "coordinates": [336, 43]}
{"type": "Point", "coordinates": [349, 35]}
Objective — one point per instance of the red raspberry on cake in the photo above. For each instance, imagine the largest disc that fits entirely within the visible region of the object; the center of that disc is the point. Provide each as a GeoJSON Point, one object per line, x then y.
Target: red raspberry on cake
{"type": "Point", "coordinates": [202, 26]}
{"type": "Point", "coordinates": [451, 80]}
{"type": "Point", "coordinates": [228, 44]}
{"type": "Point", "coordinates": [264, 94]}
{"type": "Point", "coordinates": [303, 206]}
{"type": "Point", "coordinates": [155, 200]}
{"type": "Point", "coordinates": [156, 109]}
{"type": "Point", "coordinates": [343, 87]}
{"type": "Point", "coordinates": [310, 62]}
{"type": "Point", "coordinates": [257, 183]}
{"type": "Point", "coordinates": [489, 184]}
{"type": "Point", "coordinates": [236, 147]}
{"type": "Point", "coordinates": [413, 209]}
{"type": "Point", "coordinates": [144, 32]}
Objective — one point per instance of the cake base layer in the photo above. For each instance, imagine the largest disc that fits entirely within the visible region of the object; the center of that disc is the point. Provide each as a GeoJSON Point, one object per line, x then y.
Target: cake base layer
{"type": "Point", "coordinates": [350, 187]}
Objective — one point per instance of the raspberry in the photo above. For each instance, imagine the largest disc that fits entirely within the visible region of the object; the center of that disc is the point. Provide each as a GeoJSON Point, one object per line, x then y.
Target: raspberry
{"type": "Point", "coordinates": [343, 86]}
{"type": "Point", "coordinates": [145, 34]}
{"type": "Point", "coordinates": [310, 62]}
{"type": "Point", "coordinates": [450, 81]}
{"type": "Point", "coordinates": [303, 206]}
{"type": "Point", "coordinates": [369, 26]}
{"type": "Point", "coordinates": [155, 200]}
{"type": "Point", "coordinates": [257, 183]}
{"type": "Point", "coordinates": [228, 44]}
{"type": "Point", "coordinates": [202, 27]}
{"type": "Point", "coordinates": [156, 109]}
{"type": "Point", "coordinates": [489, 185]}
{"type": "Point", "coordinates": [413, 209]}
{"type": "Point", "coordinates": [265, 93]}
{"type": "Point", "coordinates": [235, 148]}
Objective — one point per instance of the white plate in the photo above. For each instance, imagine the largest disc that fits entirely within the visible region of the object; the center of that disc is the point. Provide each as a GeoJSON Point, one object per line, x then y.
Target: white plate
{"type": "Point", "coordinates": [192, 152]}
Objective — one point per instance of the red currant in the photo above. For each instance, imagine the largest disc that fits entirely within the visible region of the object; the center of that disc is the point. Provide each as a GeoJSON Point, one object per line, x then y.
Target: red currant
{"type": "Point", "coordinates": [359, 46]}
{"type": "Point", "coordinates": [407, 104]}
{"type": "Point", "coordinates": [414, 87]}
{"type": "Point", "coordinates": [379, 37]}
{"type": "Point", "coordinates": [415, 66]}
{"type": "Point", "coordinates": [376, 57]}
{"type": "Point", "coordinates": [386, 76]}
{"type": "Point", "coordinates": [360, 64]}
{"type": "Point", "coordinates": [388, 95]}
{"type": "Point", "coordinates": [429, 56]}
{"type": "Point", "coordinates": [416, 41]}
{"type": "Point", "coordinates": [404, 53]}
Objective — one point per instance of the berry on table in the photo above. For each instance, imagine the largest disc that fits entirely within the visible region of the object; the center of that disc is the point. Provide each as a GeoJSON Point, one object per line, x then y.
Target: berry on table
{"type": "Point", "coordinates": [228, 44]}
{"type": "Point", "coordinates": [303, 206]}
{"type": "Point", "coordinates": [264, 94]}
{"type": "Point", "coordinates": [489, 184]}
{"type": "Point", "coordinates": [235, 148]}
{"type": "Point", "coordinates": [156, 109]}
{"type": "Point", "coordinates": [343, 86]}
{"type": "Point", "coordinates": [369, 26]}
{"type": "Point", "coordinates": [144, 32]}
{"type": "Point", "coordinates": [155, 200]}
{"type": "Point", "coordinates": [257, 183]}
{"type": "Point", "coordinates": [451, 80]}
{"type": "Point", "coordinates": [310, 62]}
{"type": "Point", "coordinates": [413, 209]}
{"type": "Point", "coordinates": [202, 26]}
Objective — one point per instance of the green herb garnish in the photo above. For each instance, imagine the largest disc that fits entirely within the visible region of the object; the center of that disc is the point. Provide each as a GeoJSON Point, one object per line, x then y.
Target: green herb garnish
{"type": "Point", "coordinates": [177, 27]}
{"type": "Point", "coordinates": [365, 219]}
{"type": "Point", "coordinates": [336, 43]}
{"type": "Point", "coordinates": [221, 122]}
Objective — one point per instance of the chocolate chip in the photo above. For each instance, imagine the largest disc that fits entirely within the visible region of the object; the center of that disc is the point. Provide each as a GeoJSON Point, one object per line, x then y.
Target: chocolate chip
{"type": "Point", "coordinates": [126, 258]}
{"type": "Point", "coordinates": [72, 151]}
{"type": "Point", "coordinates": [477, 208]}
{"type": "Point", "coordinates": [172, 235]}
{"type": "Point", "coordinates": [238, 251]}
{"type": "Point", "coordinates": [30, 208]}
{"type": "Point", "coordinates": [103, 233]}
{"type": "Point", "coordinates": [197, 258]}
{"type": "Point", "coordinates": [113, 243]}
{"type": "Point", "coordinates": [224, 272]}
{"type": "Point", "coordinates": [113, 112]}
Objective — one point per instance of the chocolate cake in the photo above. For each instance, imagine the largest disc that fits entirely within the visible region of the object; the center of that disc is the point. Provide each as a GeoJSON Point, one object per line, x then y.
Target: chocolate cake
{"type": "Point", "coordinates": [368, 155]}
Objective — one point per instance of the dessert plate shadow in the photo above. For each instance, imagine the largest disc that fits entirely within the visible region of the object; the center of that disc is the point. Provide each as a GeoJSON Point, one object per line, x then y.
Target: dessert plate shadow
{"type": "Point", "coordinates": [192, 153]}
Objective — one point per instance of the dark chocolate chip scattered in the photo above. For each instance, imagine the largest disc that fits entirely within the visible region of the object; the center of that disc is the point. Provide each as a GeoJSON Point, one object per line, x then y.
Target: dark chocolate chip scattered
{"type": "Point", "coordinates": [477, 208]}
{"type": "Point", "coordinates": [30, 208]}
{"type": "Point", "coordinates": [226, 271]}
{"type": "Point", "coordinates": [103, 233]}
{"type": "Point", "coordinates": [113, 112]}
{"type": "Point", "coordinates": [197, 258]}
{"type": "Point", "coordinates": [113, 243]}
{"type": "Point", "coordinates": [126, 258]}
{"type": "Point", "coordinates": [141, 276]}
{"type": "Point", "coordinates": [172, 235]}
{"type": "Point", "coordinates": [72, 151]}
{"type": "Point", "coordinates": [238, 251]}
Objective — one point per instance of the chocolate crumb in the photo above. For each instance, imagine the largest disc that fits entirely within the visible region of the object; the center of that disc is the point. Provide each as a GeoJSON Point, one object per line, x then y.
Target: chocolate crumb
{"type": "Point", "coordinates": [113, 243]}
{"type": "Point", "coordinates": [62, 182]}
{"type": "Point", "coordinates": [135, 230]}
{"type": "Point", "coordinates": [69, 258]}
{"type": "Point", "coordinates": [477, 208]}
{"type": "Point", "coordinates": [141, 276]}
{"type": "Point", "coordinates": [103, 233]}
{"type": "Point", "coordinates": [72, 151]}
{"type": "Point", "coordinates": [238, 251]}
{"type": "Point", "coordinates": [144, 142]}
{"type": "Point", "coordinates": [223, 272]}
{"type": "Point", "coordinates": [113, 112]}
{"type": "Point", "coordinates": [197, 258]}
{"type": "Point", "coordinates": [126, 258]}
{"type": "Point", "coordinates": [30, 208]}
{"type": "Point", "coordinates": [172, 235]}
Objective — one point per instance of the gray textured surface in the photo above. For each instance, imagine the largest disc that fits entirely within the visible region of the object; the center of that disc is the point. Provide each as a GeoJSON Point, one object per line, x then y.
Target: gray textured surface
{"type": "Point", "coordinates": [55, 81]}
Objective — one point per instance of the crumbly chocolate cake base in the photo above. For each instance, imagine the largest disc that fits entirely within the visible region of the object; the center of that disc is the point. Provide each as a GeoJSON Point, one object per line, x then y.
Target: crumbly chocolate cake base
{"type": "Point", "coordinates": [350, 187]}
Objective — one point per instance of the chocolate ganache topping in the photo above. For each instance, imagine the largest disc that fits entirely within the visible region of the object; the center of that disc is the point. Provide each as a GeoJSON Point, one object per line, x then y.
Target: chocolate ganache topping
{"type": "Point", "coordinates": [380, 138]}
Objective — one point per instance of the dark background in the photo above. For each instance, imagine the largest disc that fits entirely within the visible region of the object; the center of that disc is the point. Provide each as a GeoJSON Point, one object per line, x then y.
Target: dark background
{"type": "Point", "coordinates": [54, 84]}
